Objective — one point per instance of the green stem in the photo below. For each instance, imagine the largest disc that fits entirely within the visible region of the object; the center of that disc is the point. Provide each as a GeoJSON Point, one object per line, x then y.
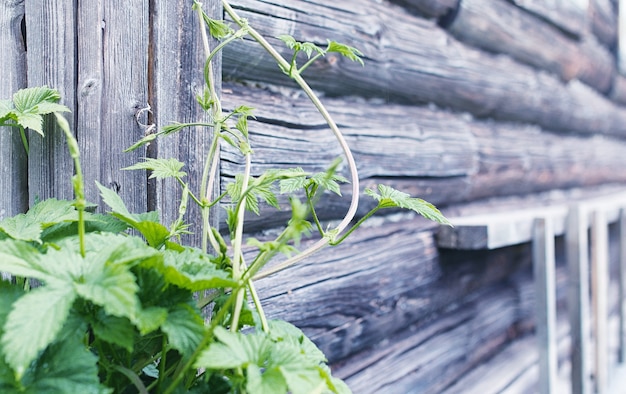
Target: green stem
{"type": "Point", "coordinates": [345, 222]}
{"type": "Point", "coordinates": [24, 140]}
{"type": "Point", "coordinates": [355, 226]}
{"type": "Point", "coordinates": [135, 380]}
{"type": "Point", "coordinates": [309, 62]}
{"type": "Point", "coordinates": [257, 304]}
{"type": "Point", "coordinates": [309, 198]}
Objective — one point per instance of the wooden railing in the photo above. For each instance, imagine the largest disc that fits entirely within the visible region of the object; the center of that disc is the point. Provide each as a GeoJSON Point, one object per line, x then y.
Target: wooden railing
{"type": "Point", "coordinates": [584, 224]}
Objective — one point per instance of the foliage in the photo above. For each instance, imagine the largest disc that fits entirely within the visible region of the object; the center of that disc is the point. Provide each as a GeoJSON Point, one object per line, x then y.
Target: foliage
{"type": "Point", "coordinates": [119, 302]}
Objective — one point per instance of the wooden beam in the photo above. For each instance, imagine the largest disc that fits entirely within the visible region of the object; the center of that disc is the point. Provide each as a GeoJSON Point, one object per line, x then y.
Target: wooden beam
{"type": "Point", "coordinates": [621, 305]}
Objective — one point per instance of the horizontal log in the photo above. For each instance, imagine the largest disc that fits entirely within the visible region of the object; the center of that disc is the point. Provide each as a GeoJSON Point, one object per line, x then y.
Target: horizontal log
{"type": "Point", "coordinates": [430, 8]}
{"type": "Point", "coordinates": [427, 152]}
{"type": "Point", "coordinates": [410, 59]}
{"type": "Point", "coordinates": [357, 294]}
{"type": "Point", "coordinates": [571, 16]}
{"type": "Point", "coordinates": [500, 27]}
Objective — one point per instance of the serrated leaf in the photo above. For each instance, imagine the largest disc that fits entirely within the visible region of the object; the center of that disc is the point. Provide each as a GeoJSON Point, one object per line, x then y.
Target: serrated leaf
{"type": "Point", "coordinates": [24, 336]}
{"type": "Point", "coordinates": [114, 201]}
{"type": "Point", "coordinates": [270, 381]}
{"type": "Point", "coordinates": [233, 350]}
{"type": "Point", "coordinates": [161, 168]}
{"type": "Point", "coordinates": [155, 233]}
{"type": "Point", "coordinates": [26, 100]}
{"type": "Point", "coordinates": [65, 367]}
{"type": "Point", "coordinates": [117, 330]}
{"type": "Point", "coordinates": [21, 259]}
{"type": "Point", "coordinates": [297, 180]}
{"type": "Point", "coordinates": [30, 121]}
{"type": "Point", "coordinates": [29, 226]}
{"type": "Point", "coordinates": [193, 270]}
{"type": "Point", "coordinates": [6, 107]}
{"type": "Point", "coordinates": [113, 287]}
{"type": "Point", "coordinates": [217, 28]}
{"type": "Point", "coordinates": [145, 140]}
{"type": "Point", "coordinates": [184, 328]}
{"type": "Point", "coordinates": [389, 197]}
{"type": "Point", "coordinates": [346, 51]}
{"type": "Point", "coordinates": [288, 40]}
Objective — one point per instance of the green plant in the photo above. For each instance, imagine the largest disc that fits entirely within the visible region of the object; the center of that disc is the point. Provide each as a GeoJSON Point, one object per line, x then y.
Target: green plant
{"type": "Point", "coordinates": [117, 312]}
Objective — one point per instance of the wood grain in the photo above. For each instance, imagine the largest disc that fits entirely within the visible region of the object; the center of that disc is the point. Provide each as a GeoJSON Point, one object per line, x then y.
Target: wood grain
{"type": "Point", "coordinates": [428, 152]}
{"type": "Point", "coordinates": [13, 160]}
{"type": "Point", "coordinates": [503, 28]}
{"type": "Point", "coordinates": [430, 8]}
{"type": "Point", "coordinates": [567, 15]}
{"type": "Point", "coordinates": [177, 60]}
{"type": "Point", "coordinates": [410, 59]}
{"type": "Point", "coordinates": [51, 40]}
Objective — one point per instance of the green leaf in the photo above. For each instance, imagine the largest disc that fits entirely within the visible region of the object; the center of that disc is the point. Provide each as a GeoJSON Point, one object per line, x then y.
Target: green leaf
{"type": "Point", "coordinates": [392, 198]}
{"type": "Point", "coordinates": [346, 51]}
{"type": "Point", "coordinates": [233, 350]}
{"type": "Point", "coordinates": [6, 106]}
{"type": "Point", "coordinates": [31, 103]}
{"type": "Point", "coordinates": [270, 381]}
{"type": "Point", "coordinates": [288, 40]}
{"type": "Point", "coordinates": [21, 259]}
{"type": "Point", "coordinates": [193, 270]}
{"type": "Point", "coordinates": [161, 168]}
{"type": "Point", "coordinates": [117, 330]}
{"type": "Point", "coordinates": [184, 328]}
{"type": "Point", "coordinates": [24, 336]}
{"type": "Point", "coordinates": [29, 226]}
{"type": "Point", "coordinates": [65, 367]}
{"type": "Point", "coordinates": [113, 287]}
{"type": "Point", "coordinates": [217, 28]}
{"type": "Point", "coordinates": [145, 140]}
{"type": "Point", "coordinates": [297, 181]}
{"type": "Point", "coordinates": [114, 201]}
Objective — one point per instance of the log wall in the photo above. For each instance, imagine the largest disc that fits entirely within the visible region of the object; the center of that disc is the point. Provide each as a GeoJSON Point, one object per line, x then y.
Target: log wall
{"type": "Point", "coordinates": [460, 102]}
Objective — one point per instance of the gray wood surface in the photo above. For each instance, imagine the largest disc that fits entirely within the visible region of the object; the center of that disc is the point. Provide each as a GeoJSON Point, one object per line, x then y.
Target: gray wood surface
{"type": "Point", "coordinates": [600, 299]}
{"type": "Point", "coordinates": [410, 59]}
{"type": "Point", "coordinates": [429, 153]}
{"type": "Point", "coordinates": [178, 62]}
{"type": "Point", "coordinates": [570, 16]}
{"type": "Point", "coordinates": [13, 160]}
{"type": "Point", "coordinates": [51, 43]}
{"type": "Point", "coordinates": [577, 256]}
{"type": "Point", "coordinates": [430, 8]}
{"type": "Point", "coordinates": [503, 28]}
{"type": "Point", "coordinates": [545, 302]}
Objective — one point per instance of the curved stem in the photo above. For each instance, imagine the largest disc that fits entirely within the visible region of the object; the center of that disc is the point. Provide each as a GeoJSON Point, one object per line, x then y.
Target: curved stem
{"type": "Point", "coordinates": [285, 65]}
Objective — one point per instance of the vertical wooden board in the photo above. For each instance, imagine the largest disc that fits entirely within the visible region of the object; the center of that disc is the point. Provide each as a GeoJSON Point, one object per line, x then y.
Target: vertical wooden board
{"type": "Point", "coordinates": [177, 63]}
{"type": "Point", "coordinates": [599, 292]}
{"type": "Point", "coordinates": [125, 93]}
{"type": "Point", "coordinates": [90, 26]}
{"type": "Point", "coordinates": [13, 160]}
{"type": "Point", "coordinates": [545, 285]}
{"type": "Point", "coordinates": [50, 34]}
{"type": "Point", "coordinates": [621, 304]}
{"type": "Point", "coordinates": [577, 256]}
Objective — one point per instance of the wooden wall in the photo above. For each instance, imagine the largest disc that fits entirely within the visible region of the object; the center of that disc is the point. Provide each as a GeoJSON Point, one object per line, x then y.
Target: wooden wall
{"type": "Point", "coordinates": [460, 102]}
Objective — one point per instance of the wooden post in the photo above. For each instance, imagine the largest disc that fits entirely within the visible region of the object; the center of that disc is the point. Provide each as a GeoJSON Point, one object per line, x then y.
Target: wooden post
{"type": "Point", "coordinates": [545, 287]}
{"type": "Point", "coordinates": [599, 291]}
{"type": "Point", "coordinates": [577, 256]}
{"type": "Point", "coordinates": [622, 286]}
{"type": "Point", "coordinates": [13, 160]}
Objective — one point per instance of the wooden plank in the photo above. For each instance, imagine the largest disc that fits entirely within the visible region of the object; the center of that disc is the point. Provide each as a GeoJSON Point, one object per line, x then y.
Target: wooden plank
{"type": "Point", "coordinates": [621, 42]}
{"type": "Point", "coordinates": [578, 298]}
{"type": "Point", "coordinates": [13, 160]}
{"type": "Point", "coordinates": [494, 230]}
{"type": "Point", "coordinates": [621, 304]}
{"type": "Point", "coordinates": [125, 33]}
{"type": "Point", "coordinates": [599, 291]}
{"type": "Point", "coordinates": [177, 57]}
{"type": "Point", "coordinates": [568, 15]}
{"type": "Point", "coordinates": [51, 42]}
{"type": "Point", "coordinates": [410, 59]}
{"type": "Point", "coordinates": [545, 302]}
{"type": "Point", "coordinates": [501, 27]}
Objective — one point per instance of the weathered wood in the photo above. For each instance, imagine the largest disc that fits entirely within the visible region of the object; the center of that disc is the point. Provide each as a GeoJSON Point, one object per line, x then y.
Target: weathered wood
{"type": "Point", "coordinates": [571, 16]}
{"type": "Point", "coordinates": [621, 304]}
{"type": "Point", "coordinates": [427, 152]}
{"type": "Point", "coordinates": [577, 256]}
{"type": "Point", "coordinates": [430, 8]}
{"type": "Point", "coordinates": [500, 27]}
{"type": "Point", "coordinates": [13, 160]}
{"type": "Point", "coordinates": [125, 35]}
{"type": "Point", "coordinates": [603, 20]}
{"type": "Point", "coordinates": [545, 302]}
{"type": "Point", "coordinates": [599, 297]}
{"type": "Point", "coordinates": [51, 43]}
{"type": "Point", "coordinates": [177, 66]}
{"type": "Point", "coordinates": [412, 60]}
